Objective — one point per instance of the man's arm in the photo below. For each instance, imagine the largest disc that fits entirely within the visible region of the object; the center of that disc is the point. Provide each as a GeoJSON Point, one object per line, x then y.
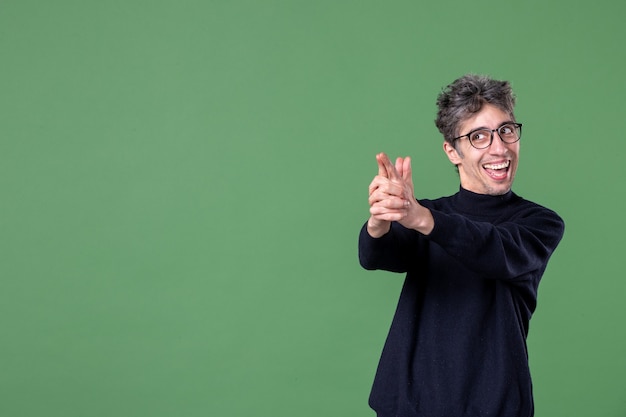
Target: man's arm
{"type": "Point", "coordinates": [389, 240]}
{"type": "Point", "coordinates": [395, 251]}
{"type": "Point", "coordinates": [509, 250]}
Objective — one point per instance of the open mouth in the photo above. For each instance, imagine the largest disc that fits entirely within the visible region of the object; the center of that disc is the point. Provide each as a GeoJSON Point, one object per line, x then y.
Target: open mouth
{"type": "Point", "coordinates": [498, 170]}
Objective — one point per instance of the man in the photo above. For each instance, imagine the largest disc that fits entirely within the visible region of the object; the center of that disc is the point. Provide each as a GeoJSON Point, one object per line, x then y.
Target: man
{"type": "Point", "coordinates": [473, 262]}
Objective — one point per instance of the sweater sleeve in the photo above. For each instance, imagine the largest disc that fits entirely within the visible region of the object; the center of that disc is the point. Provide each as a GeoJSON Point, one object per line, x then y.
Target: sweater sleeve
{"type": "Point", "coordinates": [508, 250]}
{"type": "Point", "coordinates": [395, 251]}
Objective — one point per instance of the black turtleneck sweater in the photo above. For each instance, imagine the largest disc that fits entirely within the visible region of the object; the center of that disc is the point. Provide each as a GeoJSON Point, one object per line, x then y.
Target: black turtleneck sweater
{"type": "Point", "coordinates": [457, 343]}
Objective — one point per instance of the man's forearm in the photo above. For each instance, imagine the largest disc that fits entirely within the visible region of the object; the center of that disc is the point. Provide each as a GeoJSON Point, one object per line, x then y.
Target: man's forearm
{"type": "Point", "coordinates": [378, 228]}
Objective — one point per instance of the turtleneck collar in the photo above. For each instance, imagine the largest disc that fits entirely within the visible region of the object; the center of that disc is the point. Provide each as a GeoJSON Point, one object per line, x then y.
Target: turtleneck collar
{"type": "Point", "coordinates": [472, 203]}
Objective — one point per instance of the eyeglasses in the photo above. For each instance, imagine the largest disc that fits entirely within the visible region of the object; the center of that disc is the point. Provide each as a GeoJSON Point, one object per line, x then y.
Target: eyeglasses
{"type": "Point", "coordinates": [482, 138]}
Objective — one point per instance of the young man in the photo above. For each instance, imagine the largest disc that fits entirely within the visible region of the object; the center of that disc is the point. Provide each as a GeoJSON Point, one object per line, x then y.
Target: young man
{"type": "Point", "coordinates": [473, 262]}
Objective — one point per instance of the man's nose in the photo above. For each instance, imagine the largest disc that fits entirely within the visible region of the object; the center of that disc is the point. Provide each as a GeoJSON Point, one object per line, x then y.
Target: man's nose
{"type": "Point", "coordinates": [497, 144]}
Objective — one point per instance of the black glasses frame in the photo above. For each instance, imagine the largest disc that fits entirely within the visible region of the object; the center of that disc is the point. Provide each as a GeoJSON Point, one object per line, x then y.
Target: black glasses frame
{"type": "Point", "coordinates": [517, 126]}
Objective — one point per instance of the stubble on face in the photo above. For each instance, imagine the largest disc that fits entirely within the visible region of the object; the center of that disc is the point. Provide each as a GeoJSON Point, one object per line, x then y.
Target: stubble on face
{"type": "Point", "coordinates": [491, 170]}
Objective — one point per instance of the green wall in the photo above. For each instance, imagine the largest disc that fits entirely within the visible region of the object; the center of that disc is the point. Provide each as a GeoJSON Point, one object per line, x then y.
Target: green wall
{"type": "Point", "coordinates": [183, 181]}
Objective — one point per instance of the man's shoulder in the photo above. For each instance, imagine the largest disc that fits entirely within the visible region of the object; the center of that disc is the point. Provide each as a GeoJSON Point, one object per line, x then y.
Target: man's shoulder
{"type": "Point", "coordinates": [510, 205]}
{"type": "Point", "coordinates": [526, 204]}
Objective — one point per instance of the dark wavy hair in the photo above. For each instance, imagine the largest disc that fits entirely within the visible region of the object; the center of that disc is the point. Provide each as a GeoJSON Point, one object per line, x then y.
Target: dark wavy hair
{"type": "Point", "coordinates": [467, 96]}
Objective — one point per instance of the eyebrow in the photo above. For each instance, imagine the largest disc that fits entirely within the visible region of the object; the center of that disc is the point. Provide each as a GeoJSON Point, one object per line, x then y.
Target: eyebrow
{"type": "Point", "coordinates": [487, 128]}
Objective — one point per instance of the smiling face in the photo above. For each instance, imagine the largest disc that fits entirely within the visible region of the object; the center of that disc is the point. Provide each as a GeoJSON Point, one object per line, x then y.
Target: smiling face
{"type": "Point", "coordinates": [485, 171]}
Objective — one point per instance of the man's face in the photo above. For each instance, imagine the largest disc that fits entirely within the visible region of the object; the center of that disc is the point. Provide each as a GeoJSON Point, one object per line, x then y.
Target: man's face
{"type": "Point", "coordinates": [485, 171]}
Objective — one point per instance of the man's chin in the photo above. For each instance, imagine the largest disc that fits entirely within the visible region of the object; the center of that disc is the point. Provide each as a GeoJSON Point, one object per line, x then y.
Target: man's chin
{"type": "Point", "coordinates": [498, 189]}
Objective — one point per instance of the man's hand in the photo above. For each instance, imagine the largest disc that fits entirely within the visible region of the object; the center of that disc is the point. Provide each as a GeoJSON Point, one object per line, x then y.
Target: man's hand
{"type": "Point", "coordinates": [391, 198]}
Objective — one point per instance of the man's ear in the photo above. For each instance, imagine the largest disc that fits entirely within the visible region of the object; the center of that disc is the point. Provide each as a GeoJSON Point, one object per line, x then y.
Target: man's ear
{"type": "Point", "coordinates": [453, 155]}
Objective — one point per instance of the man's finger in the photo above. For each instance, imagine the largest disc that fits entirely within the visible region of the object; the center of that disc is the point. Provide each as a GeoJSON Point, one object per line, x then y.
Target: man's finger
{"type": "Point", "coordinates": [375, 184]}
{"type": "Point", "coordinates": [399, 168]}
{"type": "Point", "coordinates": [382, 169]}
{"type": "Point", "coordinates": [392, 174]}
{"type": "Point", "coordinates": [407, 173]}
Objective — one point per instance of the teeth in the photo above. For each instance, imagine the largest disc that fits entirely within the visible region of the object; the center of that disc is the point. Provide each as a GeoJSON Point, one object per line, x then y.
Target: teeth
{"type": "Point", "coordinates": [497, 166]}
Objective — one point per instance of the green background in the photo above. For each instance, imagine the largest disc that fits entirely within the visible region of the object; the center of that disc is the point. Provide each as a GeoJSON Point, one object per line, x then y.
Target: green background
{"type": "Point", "coordinates": [183, 182]}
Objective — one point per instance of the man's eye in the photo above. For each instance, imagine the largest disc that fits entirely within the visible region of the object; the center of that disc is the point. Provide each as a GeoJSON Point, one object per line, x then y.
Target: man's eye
{"type": "Point", "coordinates": [506, 130]}
{"type": "Point", "coordinates": [479, 136]}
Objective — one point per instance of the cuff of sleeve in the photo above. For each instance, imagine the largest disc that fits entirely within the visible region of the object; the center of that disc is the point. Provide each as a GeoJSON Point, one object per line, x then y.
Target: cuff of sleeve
{"type": "Point", "coordinates": [441, 232]}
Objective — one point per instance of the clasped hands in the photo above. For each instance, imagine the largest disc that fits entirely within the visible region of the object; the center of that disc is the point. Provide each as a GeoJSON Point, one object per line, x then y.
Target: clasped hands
{"type": "Point", "coordinates": [392, 198]}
